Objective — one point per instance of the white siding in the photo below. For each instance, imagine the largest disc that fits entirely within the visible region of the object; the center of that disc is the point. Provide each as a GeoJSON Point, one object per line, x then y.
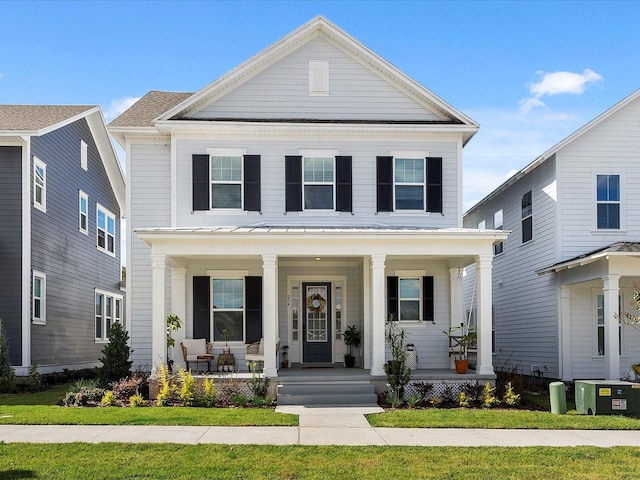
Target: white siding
{"type": "Point", "coordinates": [282, 91]}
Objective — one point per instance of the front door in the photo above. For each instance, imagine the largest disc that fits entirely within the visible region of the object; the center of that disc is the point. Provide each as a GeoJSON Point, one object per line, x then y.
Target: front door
{"type": "Point", "coordinates": [316, 322]}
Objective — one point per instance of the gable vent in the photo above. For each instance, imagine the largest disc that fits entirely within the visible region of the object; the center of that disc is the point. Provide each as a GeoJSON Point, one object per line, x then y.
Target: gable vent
{"type": "Point", "coordinates": [318, 77]}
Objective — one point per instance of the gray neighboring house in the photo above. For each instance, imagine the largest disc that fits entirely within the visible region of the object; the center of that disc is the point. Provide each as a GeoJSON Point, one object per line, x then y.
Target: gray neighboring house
{"type": "Point", "coordinates": [62, 194]}
{"type": "Point", "coordinates": [571, 262]}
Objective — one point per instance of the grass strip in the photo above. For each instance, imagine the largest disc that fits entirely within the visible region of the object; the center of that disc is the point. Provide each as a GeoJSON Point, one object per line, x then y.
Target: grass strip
{"type": "Point", "coordinates": [177, 462]}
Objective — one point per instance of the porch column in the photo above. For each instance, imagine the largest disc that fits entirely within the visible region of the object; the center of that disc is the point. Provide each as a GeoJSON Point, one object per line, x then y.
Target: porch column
{"type": "Point", "coordinates": [611, 340]}
{"type": "Point", "coordinates": [179, 308]}
{"type": "Point", "coordinates": [566, 367]}
{"type": "Point", "coordinates": [483, 275]}
{"type": "Point", "coordinates": [270, 313]}
{"type": "Point", "coordinates": [366, 299]}
{"type": "Point", "coordinates": [378, 314]}
{"type": "Point", "coordinates": [158, 314]}
{"type": "Point", "coordinates": [456, 297]}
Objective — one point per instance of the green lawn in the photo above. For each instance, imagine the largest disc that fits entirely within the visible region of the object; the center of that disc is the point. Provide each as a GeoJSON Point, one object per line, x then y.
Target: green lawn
{"type": "Point", "coordinates": [176, 462]}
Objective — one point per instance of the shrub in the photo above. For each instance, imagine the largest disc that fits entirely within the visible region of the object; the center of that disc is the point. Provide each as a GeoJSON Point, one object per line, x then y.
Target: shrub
{"type": "Point", "coordinates": [463, 400]}
{"type": "Point", "coordinates": [238, 400]}
{"type": "Point", "coordinates": [115, 356]}
{"type": "Point", "coordinates": [510, 397]}
{"type": "Point", "coordinates": [83, 393]}
{"type": "Point", "coordinates": [258, 385]}
{"type": "Point", "coordinates": [136, 401]}
{"type": "Point", "coordinates": [398, 375]}
{"type": "Point", "coordinates": [34, 380]}
{"type": "Point", "coordinates": [168, 390]}
{"type": "Point", "coordinates": [208, 398]}
{"type": "Point", "coordinates": [422, 389]}
{"type": "Point", "coordinates": [187, 387]}
{"type": "Point", "coordinates": [488, 398]}
{"type": "Point", "coordinates": [108, 399]}
{"type": "Point", "coordinates": [7, 373]}
{"type": "Point", "coordinates": [125, 388]}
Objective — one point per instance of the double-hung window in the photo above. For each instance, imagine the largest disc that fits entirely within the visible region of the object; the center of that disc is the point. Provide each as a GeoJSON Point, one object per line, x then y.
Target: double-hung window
{"type": "Point", "coordinates": [106, 230]}
{"type": "Point", "coordinates": [608, 202]}
{"type": "Point", "coordinates": [409, 183]}
{"type": "Point", "coordinates": [83, 212]}
{"type": "Point", "coordinates": [527, 217]}
{"type": "Point", "coordinates": [39, 302]}
{"type": "Point", "coordinates": [319, 181]}
{"type": "Point", "coordinates": [600, 334]}
{"type": "Point", "coordinates": [228, 309]}
{"type": "Point", "coordinates": [108, 310]}
{"type": "Point", "coordinates": [39, 185]}
{"type": "Point", "coordinates": [498, 224]}
{"type": "Point", "coordinates": [409, 297]}
{"type": "Point", "coordinates": [226, 181]}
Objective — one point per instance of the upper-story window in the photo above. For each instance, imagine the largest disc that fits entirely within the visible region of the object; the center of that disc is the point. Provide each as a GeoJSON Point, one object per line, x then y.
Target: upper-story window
{"type": "Point", "coordinates": [226, 181]}
{"type": "Point", "coordinates": [527, 217]}
{"type": "Point", "coordinates": [608, 201]}
{"type": "Point", "coordinates": [482, 224]}
{"type": "Point", "coordinates": [498, 224]}
{"type": "Point", "coordinates": [106, 230]}
{"type": "Point", "coordinates": [39, 184]}
{"type": "Point", "coordinates": [83, 212]}
{"type": "Point", "coordinates": [319, 180]}
{"type": "Point", "coordinates": [84, 155]}
{"type": "Point", "coordinates": [408, 182]}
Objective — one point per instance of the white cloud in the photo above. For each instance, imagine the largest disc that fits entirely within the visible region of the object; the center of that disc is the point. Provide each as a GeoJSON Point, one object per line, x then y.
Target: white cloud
{"type": "Point", "coordinates": [555, 83]}
{"type": "Point", "coordinates": [117, 106]}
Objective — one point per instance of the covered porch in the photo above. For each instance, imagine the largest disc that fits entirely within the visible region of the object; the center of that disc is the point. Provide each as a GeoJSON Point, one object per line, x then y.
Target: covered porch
{"type": "Point", "coordinates": [301, 287]}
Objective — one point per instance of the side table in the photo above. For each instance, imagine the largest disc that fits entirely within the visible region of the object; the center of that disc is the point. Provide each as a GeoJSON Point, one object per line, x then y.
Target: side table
{"type": "Point", "coordinates": [207, 358]}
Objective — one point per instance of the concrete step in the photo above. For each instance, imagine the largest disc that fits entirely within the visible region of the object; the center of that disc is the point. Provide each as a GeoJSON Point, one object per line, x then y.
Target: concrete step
{"type": "Point", "coordinates": [339, 393]}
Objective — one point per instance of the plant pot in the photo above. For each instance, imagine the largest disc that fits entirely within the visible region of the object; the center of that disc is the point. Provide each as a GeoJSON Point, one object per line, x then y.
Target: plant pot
{"type": "Point", "coordinates": [285, 363]}
{"type": "Point", "coordinates": [349, 361]}
{"type": "Point", "coordinates": [462, 366]}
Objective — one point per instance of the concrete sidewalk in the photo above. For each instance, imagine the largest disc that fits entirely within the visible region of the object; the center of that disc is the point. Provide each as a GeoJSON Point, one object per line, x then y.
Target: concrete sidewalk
{"type": "Point", "coordinates": [318, 426]}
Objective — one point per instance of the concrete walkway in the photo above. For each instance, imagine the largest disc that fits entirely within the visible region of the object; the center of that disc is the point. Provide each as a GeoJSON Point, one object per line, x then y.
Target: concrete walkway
{"type": "Point", "coordinates": [318, 426]}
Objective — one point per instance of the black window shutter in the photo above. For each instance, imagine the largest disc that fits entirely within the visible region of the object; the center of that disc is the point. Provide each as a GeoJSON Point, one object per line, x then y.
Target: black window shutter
{"type": "Point", "coordinates": [434, 184]}
{"type": "Point", "coordinates": [293, 181]}
{"type": "Point", "coordinates": [384, 179]}
{"type": "Point", "coordinates": [202, 308]}
{"type": "Point", "coordinates": [253, 296]}
{"type": "Point", "coordinates": [200, 180]}
{"type": "Point", "coordinates": [252, 183]}
{"type": "Point", "coordinates": [392, 298]}
{"type": "Point", "coordinates": [428, 305]}
{"type": "Point", "coordinates": [343, 181]}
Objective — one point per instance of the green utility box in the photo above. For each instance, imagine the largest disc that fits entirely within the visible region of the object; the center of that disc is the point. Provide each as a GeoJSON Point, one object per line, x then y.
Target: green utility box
{"type": "Point", "coordinates": [601, 397]}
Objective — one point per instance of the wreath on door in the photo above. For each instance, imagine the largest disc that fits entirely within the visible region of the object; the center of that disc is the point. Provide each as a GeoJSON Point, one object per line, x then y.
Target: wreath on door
{"type": "Point", "coordinates": [316, 303]}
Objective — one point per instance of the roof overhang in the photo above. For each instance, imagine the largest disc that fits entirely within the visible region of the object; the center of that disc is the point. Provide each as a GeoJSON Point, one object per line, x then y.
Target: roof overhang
{"type": "Point", "coordinates": [606, 254]}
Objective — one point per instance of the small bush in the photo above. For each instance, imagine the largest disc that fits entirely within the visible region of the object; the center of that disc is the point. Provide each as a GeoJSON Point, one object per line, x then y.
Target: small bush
{"type": "Point", "coordinates": [34, 380]}
{"type": "Point", "coordinates": [208, 397]}
{"type": "Point", "coordinates": [488, 398]}
{"type": "Point", "coordinates": [187, 388]}
{"type": "Point", "coordinates": [422, 389]}
{"type": "Point", "coordinates": [83, 393]}
{"type": "Point", "coordinates": [238, 400]}
{"type": "Point", "coordinates": [510, 397]}
{"type": "Point", "coordinates": [168, 390]}
{"type": "Point", "coordinates": [136, 401]}
{"type": "Point", "coordinates": [259, 385]}
{"type": "Point", "coordinates": [115, 356]}
{"type": "Point", "coordinates": [108, 399]}
{"type": "Point", "coordinates": [463, 400]}
{"type": "Point", "coordinates": [125, 388]}
{"type": "Point", "coordinates": [413, 401]}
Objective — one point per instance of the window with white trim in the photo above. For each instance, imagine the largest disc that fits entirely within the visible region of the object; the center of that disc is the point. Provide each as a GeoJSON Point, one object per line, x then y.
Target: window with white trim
{"type": "Point", "coordinates": [409, 179]}
{"type": "Point", "coordinates": [318, 183]}
{"type": "Point", "coordinates": [498, 224]}
{"type": "Point", "coordinates": [39, 298]}
{"type": "Point", "coordinates": [108, 310]}
{"type": "Point", "coordinates": [83, 212]}
{"type": "Point", "coordinates": [482, 224]}
{"type": "Point", "coordinates": [84, 155]}
{"type": "Point", "coordinates": [228, 309]}
{"type": "Point", "coordinates": [226, 181]}
{"type": "Point", "coordinates": [39, 184]}
{"type": "Point", "coordinates": [526, 204]}
{"type": "Point", "coordinates": [608, 202]}
{"type": "Point", "coordinates": [600, 331]}
{"type": "Point", "coordinates": [105, 230]}
{"type": "Point", "coordinates": [409, 299]}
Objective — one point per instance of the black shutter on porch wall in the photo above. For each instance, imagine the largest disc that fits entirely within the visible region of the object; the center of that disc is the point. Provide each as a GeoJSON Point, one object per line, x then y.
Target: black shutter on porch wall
{"type": "Point", "coordinates": [343, 184]}
{"type": "Point", "coordinates": [252, 183]}
{"type": "Point", "coordinates": [392, 298]}
{"type": "Point", "coordinates": [202, 308]}
{"type": "Point", "coordinates": [200, 182]}
{"type": "Point", "coordinates": [253, 296]}
{"type": "Point", "coordinates": [434, 184]}
{"type": "Point", "coordinates": [293, 183]}
{"type": "Point", "coordinates": [384, 179]}
{"type": "Point", "coordinates": [428, 304]}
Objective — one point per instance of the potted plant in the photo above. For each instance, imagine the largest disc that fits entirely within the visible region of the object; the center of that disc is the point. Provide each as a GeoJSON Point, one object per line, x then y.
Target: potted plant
{"type": "Point", "coordinates": [461, 338]}
{"type": "Point", "coordinates": [225, 337]}
{"type": "Point", "coordinates": [352, 339]}
{"type": "Point", "coordinates": [285, 355]}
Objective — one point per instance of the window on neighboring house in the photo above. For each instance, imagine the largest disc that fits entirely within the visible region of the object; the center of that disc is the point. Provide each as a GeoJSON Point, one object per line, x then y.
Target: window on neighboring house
{"type": "Point", "coordinates": [39, 298]}
{"type": "Point", "coordinates": [108, 309]}
{"type": "Point", "coordinates": [226, 182]}
{"type": "Point", "coordinates": [527, 217]}
{"type": "Point", "coordinates": [106, 230]}
{"type": "Point", "coordinates": [410, 298]}
{"type": "Point", "coordinates": [83, 212]}
{"type": "Point", "coordinates": [228, 309]}
{"type": "Point", "coordinates": [608, 201]}
{"type": "Point", "coordinates": [482, 225]}
{"type": "Point", "coordinates": [318, 183]}
{"type": "Point", "coordinates": [40, 184]}
{"type": "Point", "coordinates": [600, 347]}
{"type": "Point", "coordinates": [84, 155]}
{"type": "Point", "coordinates": [498, 224]}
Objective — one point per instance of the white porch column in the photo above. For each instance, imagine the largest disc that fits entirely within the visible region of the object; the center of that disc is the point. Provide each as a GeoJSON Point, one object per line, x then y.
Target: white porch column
{"type": "Point", "coordinates": [611, 342]}
{"type": "Point", "coordinates": [566, 367]}
{"type": "Point", "coordinates": [270, 313]}
{"type": "Point", "coordinates": [366, 298]}
{"type": "Point", "coordinates": [179, 308]}
{"type": "Point", "coordinates": [483, 276]}
{"type": "Point", "coordinates": [158, 314]}
{"type": "Point", "coordinates": [378, 314]}
{"type": "Point", "coordinates": [456, 297]}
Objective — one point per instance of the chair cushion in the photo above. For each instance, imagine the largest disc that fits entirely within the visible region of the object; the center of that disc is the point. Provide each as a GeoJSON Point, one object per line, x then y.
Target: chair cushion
{"type": "Point", "coordinates": [195, 346]}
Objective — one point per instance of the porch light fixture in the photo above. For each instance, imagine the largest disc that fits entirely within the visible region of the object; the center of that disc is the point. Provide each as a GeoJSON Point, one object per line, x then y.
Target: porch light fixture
{"type": "Point", "coordinates": [317, 259]}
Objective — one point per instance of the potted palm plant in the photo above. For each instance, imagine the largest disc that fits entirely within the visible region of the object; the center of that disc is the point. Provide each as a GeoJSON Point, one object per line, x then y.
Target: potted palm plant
{"type": "Point", "coordinates": [461, 338]}
{"type": "Point", "coordinates": [352, 339]}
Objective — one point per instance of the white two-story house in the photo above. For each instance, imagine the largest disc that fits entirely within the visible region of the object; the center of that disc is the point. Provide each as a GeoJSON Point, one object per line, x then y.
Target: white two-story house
{"type": "Point", "coordinates": [565, 276]}
{"type": "Point", "coordinates": [311, 188]}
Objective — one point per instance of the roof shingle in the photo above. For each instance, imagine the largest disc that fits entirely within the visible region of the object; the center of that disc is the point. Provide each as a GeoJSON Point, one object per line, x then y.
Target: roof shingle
{"type": "Point", "coordinates": [26, 118]}
{"type": "Point", "coordinates": [150, 106]}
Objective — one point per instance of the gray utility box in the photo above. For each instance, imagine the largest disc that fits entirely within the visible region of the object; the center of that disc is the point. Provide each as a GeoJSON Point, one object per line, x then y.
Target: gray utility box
{"type": "Point", "coordinates": [601, 397]}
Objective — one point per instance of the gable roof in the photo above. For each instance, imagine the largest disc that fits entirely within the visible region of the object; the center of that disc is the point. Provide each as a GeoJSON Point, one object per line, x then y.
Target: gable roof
{"type": "Point", "coordinates": [153, 104]}
{"type": "Point", "coordinates": [557, 147]}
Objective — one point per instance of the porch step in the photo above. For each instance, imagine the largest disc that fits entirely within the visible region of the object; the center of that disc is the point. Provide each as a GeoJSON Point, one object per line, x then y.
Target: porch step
{"type": "Point", "coordinates": [327, 393]}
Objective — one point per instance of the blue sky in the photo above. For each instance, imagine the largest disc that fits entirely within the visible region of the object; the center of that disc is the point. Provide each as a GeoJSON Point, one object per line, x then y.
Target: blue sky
{"type": "Point", "coordinates": [529, 72]}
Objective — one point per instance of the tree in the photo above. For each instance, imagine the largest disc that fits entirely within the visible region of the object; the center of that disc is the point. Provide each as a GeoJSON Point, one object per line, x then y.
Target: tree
{"type": "Point", "coordinates": [115, 356]}
{"type": "Point", "coordinates": [7, 374]}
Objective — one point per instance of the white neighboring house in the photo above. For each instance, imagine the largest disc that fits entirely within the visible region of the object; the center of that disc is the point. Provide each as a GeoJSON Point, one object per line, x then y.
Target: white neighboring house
{"type": "Point", "coordinates": [313, 187]}
{"type": "Point", "coordinates": [568, 269]}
